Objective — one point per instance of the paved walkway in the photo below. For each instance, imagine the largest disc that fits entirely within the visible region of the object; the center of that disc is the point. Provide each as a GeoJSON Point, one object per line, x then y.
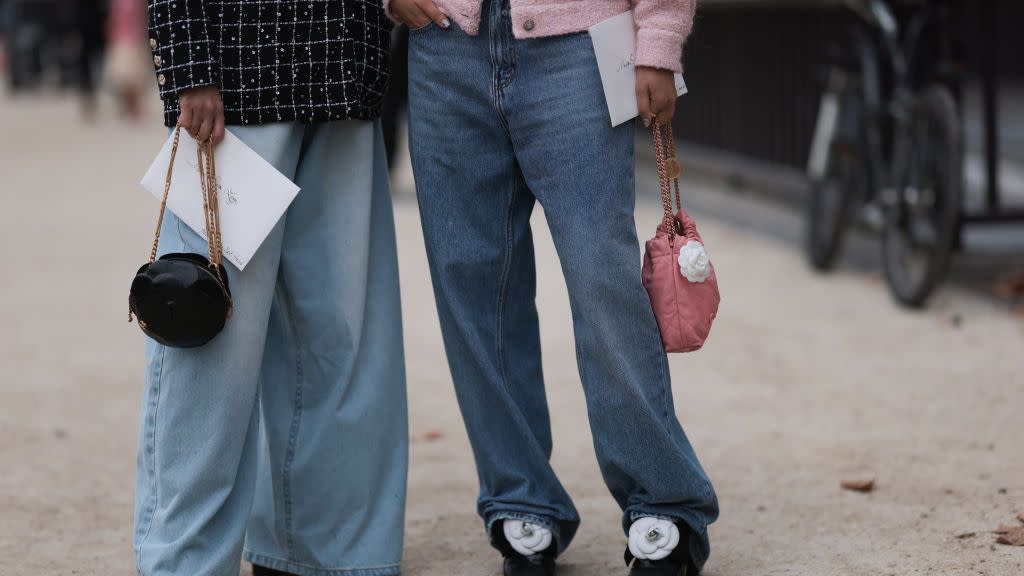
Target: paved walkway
{"type": "Point", "coordinates": [807, 380]}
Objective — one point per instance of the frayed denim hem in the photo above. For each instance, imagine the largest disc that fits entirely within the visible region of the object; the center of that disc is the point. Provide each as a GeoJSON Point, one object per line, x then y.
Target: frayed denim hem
{"type": "Point", "coordinates": [307, 570]}
{"type": "Point", "coordinates": [694, 521]}
{"type": "Point", "coordinates": [547, 523]}
{"type": "Point", "coordinates": [699, 547]}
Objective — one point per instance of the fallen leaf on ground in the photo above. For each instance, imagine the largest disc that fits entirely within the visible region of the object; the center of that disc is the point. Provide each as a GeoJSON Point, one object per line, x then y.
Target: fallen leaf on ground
{"type": "Point", "coordinates": [428, 436]}
{"type": "Point", "coordinates": [966, 535]}
{"type": "Point", "coordinates": [1011, 286]}
{"type": "Point", "coordinates": [1004, 529]}
{"type": "Point", "coordinates": [866, 484]}
{"type": "Point", "coordinates": [1011, 536]}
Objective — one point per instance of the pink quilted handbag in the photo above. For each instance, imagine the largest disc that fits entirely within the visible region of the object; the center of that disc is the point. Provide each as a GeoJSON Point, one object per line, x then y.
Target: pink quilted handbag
{"type": "Point", "coordinates": [677, 273]}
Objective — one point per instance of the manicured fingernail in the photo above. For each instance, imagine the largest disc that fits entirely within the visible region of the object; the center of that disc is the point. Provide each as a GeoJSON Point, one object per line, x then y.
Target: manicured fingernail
{"type": "Point", "coordinates": [446, 23]}
{"type": "Point", "coordinates": [647, 122]}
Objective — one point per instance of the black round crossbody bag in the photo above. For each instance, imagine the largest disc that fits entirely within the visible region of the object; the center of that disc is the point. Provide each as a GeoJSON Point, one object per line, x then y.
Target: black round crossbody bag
{"type": "Point", "coordinates": [182, 300]}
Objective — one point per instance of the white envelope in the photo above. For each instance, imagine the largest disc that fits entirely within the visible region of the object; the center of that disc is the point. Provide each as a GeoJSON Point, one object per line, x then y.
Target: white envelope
{"type": "Point", "coordinates": [615, 46]}
{"type": "Point", "coordinates": [252, 194]}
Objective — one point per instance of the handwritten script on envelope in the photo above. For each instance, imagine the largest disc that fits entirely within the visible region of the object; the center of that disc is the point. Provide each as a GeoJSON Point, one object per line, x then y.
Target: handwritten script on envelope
{"type": "Point", "coordinates": [615, 46]}
{"type": "Point", "coordinates": [251, 193]}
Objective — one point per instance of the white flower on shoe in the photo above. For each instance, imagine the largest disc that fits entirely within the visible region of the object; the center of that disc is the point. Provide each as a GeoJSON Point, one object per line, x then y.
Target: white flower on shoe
{"type": "Point", "coordinates": [652, 538]}
{"type": "Point", "coordinates": [694, 262]}
{"type": "Point", "coordinates": [526, 538]}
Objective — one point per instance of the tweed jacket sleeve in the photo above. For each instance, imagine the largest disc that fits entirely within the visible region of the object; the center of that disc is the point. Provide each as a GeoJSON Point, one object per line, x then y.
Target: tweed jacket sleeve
{"type": "Point", "coordinates": [661, 29]}
{"type": "Point", "coordinates": [185, 53]}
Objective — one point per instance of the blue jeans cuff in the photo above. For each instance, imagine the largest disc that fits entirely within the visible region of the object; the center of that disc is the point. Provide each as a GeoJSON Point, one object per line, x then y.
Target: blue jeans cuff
{"type": "Point", "coordinates": [699, 546]}
{"type": "Point", "coordinates": [499, 543]}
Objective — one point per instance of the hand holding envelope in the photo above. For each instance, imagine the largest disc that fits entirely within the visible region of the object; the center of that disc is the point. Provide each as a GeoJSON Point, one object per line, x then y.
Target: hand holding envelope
{"type": "Point", "coordinates": [615, 47]}
{"type": "Point", "coordinates": [252, 193]}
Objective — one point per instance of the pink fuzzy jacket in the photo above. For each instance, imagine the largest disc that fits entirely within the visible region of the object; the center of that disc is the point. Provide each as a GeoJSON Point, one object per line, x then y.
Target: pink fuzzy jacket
{"type": "Point", "coordinates": [662, 25]}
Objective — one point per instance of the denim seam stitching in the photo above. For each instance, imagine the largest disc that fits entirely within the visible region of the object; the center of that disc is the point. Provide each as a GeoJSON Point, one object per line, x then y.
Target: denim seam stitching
{"type": "Point", "coordinates": [497, 93]}
{"type": "Point", "coordinates": [666, 386]}
{"type": "Point", "coordinates": [364, 570]}
{"type": "Point", "coordinates": [503, 286]}
{"type": "Point", "coordinates": [497, 88]}
{"type": "Point", "coordinates": [666, 374]}
{"type": "Point", "coordinates": [286, 479]}
{"type": "Point", "coordinates": [667, 391]}
{"type": "Point", "coordinates": [181, 237]}
{"type": "Point", "coordinates": [151, 462]}
{"type": "Point", "coordinates": [506, 44]}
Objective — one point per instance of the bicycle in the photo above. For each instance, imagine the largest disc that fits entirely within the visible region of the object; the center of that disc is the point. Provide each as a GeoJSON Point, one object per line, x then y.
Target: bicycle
{"type": "Point", "coordinates": [892, 150]}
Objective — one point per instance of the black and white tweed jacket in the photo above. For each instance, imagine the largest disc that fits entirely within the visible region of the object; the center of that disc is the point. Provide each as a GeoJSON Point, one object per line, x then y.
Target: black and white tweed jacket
{"type": "Point", "coordinates": [274, 60]}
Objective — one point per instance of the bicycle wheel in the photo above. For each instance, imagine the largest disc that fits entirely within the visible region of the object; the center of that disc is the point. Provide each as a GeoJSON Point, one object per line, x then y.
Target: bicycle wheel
{"type": "Point", "coordinates": [922, 221]}
{"type": "Point", "coordinates": [835, 181]}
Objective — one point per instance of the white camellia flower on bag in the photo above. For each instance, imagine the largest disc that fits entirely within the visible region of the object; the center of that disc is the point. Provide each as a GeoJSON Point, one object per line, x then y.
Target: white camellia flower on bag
{"type": "Point", "coordinates": [526, 538]}
{"type": "Point", "coordinates": [652, 538]}
{"type": "Point", "coordinates": [694, 262]}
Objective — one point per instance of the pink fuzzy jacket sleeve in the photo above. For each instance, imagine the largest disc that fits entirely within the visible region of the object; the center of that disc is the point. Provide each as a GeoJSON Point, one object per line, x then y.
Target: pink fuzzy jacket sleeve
{"type": "Point", "coordinates": [661, 28]}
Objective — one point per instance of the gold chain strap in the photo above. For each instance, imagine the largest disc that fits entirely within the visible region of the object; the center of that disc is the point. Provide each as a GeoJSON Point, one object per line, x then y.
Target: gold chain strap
{"type": "Point", "coordinates": [668, 173]}
{"type": "Point", "coordinates": [163, 201]}
{"type": "Point", "coordinates": [211, 207]}
{"type": "Point", "coordinates": [675, 169]}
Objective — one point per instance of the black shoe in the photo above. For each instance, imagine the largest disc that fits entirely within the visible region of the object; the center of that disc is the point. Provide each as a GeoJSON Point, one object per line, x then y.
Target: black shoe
{"type": "Point", "coordinates": [539, 564]}
{"type": "Point", "coordinates": [678, 563]}
{"type": "Point", "coordinates": [665, 567]}
{"type": "Point", "coordinates": [264, 571]}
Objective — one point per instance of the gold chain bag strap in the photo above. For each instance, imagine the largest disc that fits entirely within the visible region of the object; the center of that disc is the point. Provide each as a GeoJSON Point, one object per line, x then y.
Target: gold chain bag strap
{"type": "Point", "coordinates": [182, 299]}
{"type": "Point", "coordinates": [677, 272]}
{"type": "Point", "coordinates": [669, 171]}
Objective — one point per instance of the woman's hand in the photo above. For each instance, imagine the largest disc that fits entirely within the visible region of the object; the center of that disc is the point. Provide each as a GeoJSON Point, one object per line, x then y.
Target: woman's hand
{"type": "Point", "coordinates": [418, 13]}
{"type": "Point", "coordinates": [202, 113]}
{"type": "Point", "coordinates": [655, 94]}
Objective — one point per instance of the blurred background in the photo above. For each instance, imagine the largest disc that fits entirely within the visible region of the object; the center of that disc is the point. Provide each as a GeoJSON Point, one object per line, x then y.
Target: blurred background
{"type": "Point", "coordinates": [857, 170]}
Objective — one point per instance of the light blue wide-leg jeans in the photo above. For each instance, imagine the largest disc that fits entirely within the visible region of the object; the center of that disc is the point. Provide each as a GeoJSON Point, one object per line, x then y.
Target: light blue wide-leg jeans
{"type": "Point", "coordinates": [288, 431]}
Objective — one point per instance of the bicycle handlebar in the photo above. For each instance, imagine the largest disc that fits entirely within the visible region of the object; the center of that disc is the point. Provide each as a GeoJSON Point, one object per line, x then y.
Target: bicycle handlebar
{"type": "Point", "coordinates": [879, 16]}
{"type": "Point", "coordinates": [876, 13]}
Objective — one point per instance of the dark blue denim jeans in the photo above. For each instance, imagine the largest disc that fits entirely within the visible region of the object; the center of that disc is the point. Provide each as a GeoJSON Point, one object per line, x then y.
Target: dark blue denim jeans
{"type": "Point", "coordinates": [497, 124]}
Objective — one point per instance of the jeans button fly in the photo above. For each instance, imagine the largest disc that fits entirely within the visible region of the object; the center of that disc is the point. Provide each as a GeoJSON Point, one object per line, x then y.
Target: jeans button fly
{"type": "Point", "coordinates": [528, 25]}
